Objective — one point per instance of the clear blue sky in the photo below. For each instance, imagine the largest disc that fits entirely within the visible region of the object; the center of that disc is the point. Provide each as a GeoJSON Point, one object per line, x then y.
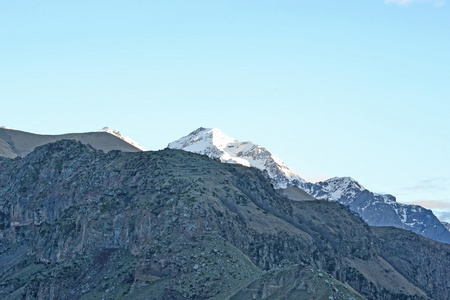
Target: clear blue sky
{"type": "Point", "coordinates": [334, 88]}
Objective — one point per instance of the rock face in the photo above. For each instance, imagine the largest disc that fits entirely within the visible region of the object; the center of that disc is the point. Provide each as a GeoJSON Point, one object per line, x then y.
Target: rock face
{"type": "Point", "coordinates": [375, 209]}
{"type": "Point", "coordinates": [417, 258]}
{"type": "Point", "coordinates": [76, 223]}
{"type": "Point", "coordinates": [15, 143]}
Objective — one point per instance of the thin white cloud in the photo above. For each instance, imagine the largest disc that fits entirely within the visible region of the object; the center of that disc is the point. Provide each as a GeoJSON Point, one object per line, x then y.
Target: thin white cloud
{"type": "Point", "coordinates": [434, 184]}
{"type": "Point", "coordinates": [433, 204]}
{"type": "Point", "coordinates": [407, 2]}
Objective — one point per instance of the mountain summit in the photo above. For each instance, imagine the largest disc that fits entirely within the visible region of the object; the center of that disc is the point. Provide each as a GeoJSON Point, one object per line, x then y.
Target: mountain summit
{"type": "Point", "coordinates": [213, 143]}
{"type": "Point", "coordinates": [375, 209]}
{"type": "Point", "coordinates": [379, 209]}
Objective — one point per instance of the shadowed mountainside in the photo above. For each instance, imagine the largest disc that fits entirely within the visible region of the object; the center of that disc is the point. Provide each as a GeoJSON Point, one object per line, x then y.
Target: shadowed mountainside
{"type": "Point", "coordinates": [76, 223]}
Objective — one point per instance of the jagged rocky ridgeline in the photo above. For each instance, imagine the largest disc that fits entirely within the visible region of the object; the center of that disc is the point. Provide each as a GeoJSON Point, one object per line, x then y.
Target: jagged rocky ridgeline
{"type": "Point", "coordinates": [375, 209]}
{"type": "Point", "coordinates": [77, 223]}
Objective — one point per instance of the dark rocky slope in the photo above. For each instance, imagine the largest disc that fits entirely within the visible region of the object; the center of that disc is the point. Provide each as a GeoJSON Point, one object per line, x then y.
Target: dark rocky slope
{"type": "Point", "coordinates": [423, 261]}
{"type": "Point", "coordinates": [76, 223]}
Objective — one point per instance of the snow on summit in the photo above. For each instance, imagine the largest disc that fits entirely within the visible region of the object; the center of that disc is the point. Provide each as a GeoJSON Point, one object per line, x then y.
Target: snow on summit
{"type": "Point", "coordinates": [213, 143]}
{"type": "Point", "coordinates": [119, 135]}
{"type": "Point", "coordinates": [375, 209]}
{"type": "Point", "coordinates": [336, 187]}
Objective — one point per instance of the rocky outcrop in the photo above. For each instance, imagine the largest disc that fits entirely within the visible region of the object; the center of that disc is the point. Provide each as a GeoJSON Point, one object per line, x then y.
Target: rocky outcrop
{"type": "Point", "coordinates": [76, 223]}
{"type": "Point", "coordinates": [422, 261]}
{"type": "Point", "coordinates": [297, 282]}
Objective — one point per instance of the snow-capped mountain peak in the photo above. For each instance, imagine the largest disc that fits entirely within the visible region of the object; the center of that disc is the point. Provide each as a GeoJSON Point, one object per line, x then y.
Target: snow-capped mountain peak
{"type": "Point", "coordinates": [334, 188]}
{"type": "Point", "coordinates": [348, 182]}
{"type": "Point", "coordinates": [375, 209]}
{"type": "Point", "coordinates": [119, 135]}
{"type": "Point", "coordinates": [213, 143]}
{"type": "Point", "coordinates": [203, 141]}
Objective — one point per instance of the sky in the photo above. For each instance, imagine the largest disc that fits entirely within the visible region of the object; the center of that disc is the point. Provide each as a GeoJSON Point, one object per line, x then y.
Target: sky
{"type": "Point", "coordinates": [333, 88]}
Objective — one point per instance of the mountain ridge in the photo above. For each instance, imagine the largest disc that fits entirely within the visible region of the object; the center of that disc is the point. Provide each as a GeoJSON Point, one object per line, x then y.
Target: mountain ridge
{"type": "Point", "coordinates": [174, 224]}
{"type": "Point", "coordinates": [127, 139]}
{"type": "Point", "coordinates": [375, 209]}
{"type": "Point", "coordinates": [380, 209]}
{"type": "Point", "coordinates": [15, 143]}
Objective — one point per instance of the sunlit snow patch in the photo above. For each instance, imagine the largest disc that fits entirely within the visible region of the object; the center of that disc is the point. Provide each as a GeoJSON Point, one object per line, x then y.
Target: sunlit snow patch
{"type": "Point", "coordinates": [119, 135]}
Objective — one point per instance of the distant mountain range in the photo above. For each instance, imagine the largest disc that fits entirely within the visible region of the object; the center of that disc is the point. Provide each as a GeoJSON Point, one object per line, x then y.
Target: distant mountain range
{"type": "Point", "coordinates": [15, 143]}
{"type": "Point", "coordinates": [79, 223]}
{"type": "Point", "coordinates": [375, 209]}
